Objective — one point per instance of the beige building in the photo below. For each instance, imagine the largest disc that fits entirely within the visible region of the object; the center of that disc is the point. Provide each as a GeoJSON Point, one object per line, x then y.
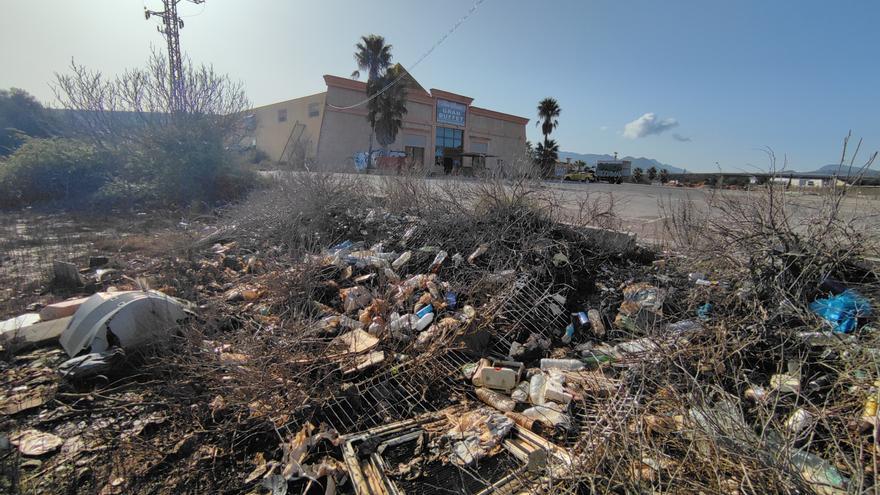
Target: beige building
{"type": "Point", "coordinates": [441, 130]}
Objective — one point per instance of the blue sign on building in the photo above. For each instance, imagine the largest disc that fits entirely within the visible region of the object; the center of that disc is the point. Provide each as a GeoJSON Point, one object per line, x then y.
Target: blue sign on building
{"type": "Point", "coordinates": [450, 112]}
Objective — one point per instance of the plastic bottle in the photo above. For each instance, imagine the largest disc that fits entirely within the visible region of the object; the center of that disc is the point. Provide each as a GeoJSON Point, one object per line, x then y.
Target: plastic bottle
{"type": "Point", "coordinates": [594, 359]}
{"type": "Point", "coordinates": [482, 248]}
{"type": "Point", "coordinates": [536, 389]}
{"type": "Point", "coordinates": [391, 276]}
{"type": "Point", "coordinates": [438, 260]}
{"type": "Point", "coordinates": [401, 260]}
{"type": "Point", "coordinates": [562, 364]}
{"type": "Point", "coordinates": [496, 400]}
{"type": "Point", "coordinates": [416, 281]}
{"type": "Point", "coordinates": [569, 333]}
{"type": "Point", "coordinates": [404, 323]}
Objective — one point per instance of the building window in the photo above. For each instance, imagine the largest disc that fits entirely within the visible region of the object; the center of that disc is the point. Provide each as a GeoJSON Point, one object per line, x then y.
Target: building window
{"type": "Point", "coordinates": [282, 115]}
{"type": "Point", "coordinates": [314, 109]}
{"type": "Point", "coordinates": [448, 147]}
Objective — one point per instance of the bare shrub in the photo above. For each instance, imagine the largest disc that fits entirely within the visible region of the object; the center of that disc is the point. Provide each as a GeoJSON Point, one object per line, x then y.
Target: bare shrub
{"type": "Point", "coordinates": [299, 212]}
{"type": "Point", "coordinates": [785, 245]}
{"type": "Point", "coordinates": [168, 144]}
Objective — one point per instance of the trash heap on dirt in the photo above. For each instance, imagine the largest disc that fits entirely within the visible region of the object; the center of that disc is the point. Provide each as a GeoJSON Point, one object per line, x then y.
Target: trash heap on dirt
{"type": "Point", "coordinates": [497, 354]}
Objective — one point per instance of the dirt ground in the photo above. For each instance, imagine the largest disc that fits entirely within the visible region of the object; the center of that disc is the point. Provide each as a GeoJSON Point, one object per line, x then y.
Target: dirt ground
{"type": "Point", "coordinates": [336, 337]}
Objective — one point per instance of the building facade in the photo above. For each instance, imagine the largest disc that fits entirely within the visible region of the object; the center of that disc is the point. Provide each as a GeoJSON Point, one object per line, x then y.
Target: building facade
{"type": "Point", "coordinates": [441, 131]}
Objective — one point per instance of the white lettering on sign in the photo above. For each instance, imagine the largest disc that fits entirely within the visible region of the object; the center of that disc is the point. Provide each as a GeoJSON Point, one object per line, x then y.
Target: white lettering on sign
{"type": "Point", "coordinates": [450, 112]}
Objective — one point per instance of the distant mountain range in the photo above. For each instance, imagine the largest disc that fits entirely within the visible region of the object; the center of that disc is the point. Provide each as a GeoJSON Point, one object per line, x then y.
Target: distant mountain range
{"type": "Point", "coordinates": [844, 171]}
{"type": "Point", "coordinates": [646, 163]}
{"type": "Point", "coordinates": [643, 163]}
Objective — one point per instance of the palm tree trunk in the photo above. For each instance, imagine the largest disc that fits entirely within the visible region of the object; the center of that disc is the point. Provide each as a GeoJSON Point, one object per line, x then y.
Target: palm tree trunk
{"type": "Point", "coordinates": [370, 149]}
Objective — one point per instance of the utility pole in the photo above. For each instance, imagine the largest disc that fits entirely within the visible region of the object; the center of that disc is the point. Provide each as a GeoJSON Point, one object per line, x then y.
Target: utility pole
{"type": "Point", "coordinates": [170, 28]}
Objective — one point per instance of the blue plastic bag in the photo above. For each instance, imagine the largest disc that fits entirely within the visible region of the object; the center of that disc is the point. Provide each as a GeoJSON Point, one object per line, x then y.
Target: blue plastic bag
{"type": "Point", "coordinates": [842, 310]}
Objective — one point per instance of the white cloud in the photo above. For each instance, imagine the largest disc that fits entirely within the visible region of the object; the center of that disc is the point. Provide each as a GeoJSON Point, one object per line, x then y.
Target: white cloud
{"type": "Point", "coordinates": [646, 125]}
{"type": "Point", "coordinates": [683, 139]}
{"type": "Point", "coordinates": [603, 128]}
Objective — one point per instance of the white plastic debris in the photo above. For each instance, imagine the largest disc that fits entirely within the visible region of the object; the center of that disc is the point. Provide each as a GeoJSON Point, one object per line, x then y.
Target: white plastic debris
{"type": "Point", "coordinates": [128, 318]}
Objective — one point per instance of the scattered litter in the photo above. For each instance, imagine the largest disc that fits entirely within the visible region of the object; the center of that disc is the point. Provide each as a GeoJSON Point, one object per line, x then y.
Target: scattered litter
{"type": "Point", "coordinates": [842, 311]}
{"type": "Point", "coordinates": [14, 324]}
{"type": "Point", "coordinates": [35, 443]}
{"type": "Point", "coordinates": [92, 364]}
{"type": "Point", "coordinates": [129, 318]}
{"type": "Point", "coordinates": [477, 434]}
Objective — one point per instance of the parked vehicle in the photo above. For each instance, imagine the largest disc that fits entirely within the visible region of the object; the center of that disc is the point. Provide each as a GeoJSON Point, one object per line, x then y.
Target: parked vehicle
{"type": "Point", "coordinates": [613, 171]}
{"type": "Point", "coordinates": [582, 175]}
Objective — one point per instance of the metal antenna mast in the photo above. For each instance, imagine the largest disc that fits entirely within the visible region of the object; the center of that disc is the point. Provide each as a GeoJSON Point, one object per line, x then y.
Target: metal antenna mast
{"type": "Point", "coordinates": [170, 28]}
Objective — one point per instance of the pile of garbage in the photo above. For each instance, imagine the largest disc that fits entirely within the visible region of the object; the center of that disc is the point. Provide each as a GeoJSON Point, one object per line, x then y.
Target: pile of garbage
{"type": "Point", "coordinates": [430, 355]}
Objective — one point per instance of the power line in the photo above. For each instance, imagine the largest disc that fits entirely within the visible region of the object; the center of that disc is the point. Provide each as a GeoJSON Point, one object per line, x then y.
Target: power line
{"type": "Point", "coordinates": [439, 42]}
{"type": "Point", "coordinates": [171, 26]}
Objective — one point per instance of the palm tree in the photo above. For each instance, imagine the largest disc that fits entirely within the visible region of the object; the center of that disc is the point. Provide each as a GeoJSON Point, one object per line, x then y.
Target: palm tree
{"type": "Point", "coordinates": [664, 175]}
{"type": "Point", "coordinates": [637, 175]}
{"type": "Point", "coordinates": [548, 111]}
{"type": "Point", "coordinates": [372, 56]}
{"type": "Point", "coordinates": [390, 106]}
{"type": "Point", "coordinates": [652, 173]}
{"type": "Point", "coordinates": [546, 154]}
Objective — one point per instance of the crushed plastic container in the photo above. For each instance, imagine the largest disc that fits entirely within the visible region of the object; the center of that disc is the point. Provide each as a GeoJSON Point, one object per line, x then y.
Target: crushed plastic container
{"type": "Point", "coordinates": [423, 322]}
{"type": "Point", "coordinates": [424, 311]}
{"type": "Point", "coordinates": [843, 310]}
{"type": "Point", "coordinates": [451, 300]}
{"type": "Point", "coordinates": [549, 416]}
{"type": "Point", "coordinates": [562, 364]}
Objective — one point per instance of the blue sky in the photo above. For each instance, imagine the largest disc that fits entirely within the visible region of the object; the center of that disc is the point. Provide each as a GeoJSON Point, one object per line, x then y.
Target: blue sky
{"type": "Point", "coordinates": [727, 78]}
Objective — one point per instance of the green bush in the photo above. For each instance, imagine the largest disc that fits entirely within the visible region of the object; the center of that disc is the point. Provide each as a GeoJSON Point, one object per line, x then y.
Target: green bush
{"type": "Point", "coordinates": [187, 161]}
{"type": "Point", "coordinates": [52, 170]}
{"type": "Point", "coordinates": [172, 165]}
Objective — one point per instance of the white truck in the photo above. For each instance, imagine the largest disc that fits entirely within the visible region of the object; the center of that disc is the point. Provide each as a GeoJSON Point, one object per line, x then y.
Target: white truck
{"type": "Point", "coordinates": [613, 171]}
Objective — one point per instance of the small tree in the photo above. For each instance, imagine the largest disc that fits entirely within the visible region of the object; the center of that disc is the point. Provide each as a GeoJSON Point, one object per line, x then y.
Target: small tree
{"type": "Point", "coordinates": [166, 150]}
{"type": "Point", "coordinates": [652, 173]}
{"type": "Point", "coordinates": [21, 116]}
{"type": "Point", "coordinates": [637, 175]}
{"type": "Point", "coordinates": [373, 56]}
{"type": "Point", "coordinates": [664, 176]}
{"type": "Point", "coordinates": [390, 106]}
{"type": "Point", "coordinates": [547, 154]}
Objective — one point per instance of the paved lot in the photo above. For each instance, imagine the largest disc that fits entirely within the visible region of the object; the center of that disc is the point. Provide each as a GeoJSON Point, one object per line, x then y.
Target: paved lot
{"type": "Point", "coordinates": [639, 205]}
